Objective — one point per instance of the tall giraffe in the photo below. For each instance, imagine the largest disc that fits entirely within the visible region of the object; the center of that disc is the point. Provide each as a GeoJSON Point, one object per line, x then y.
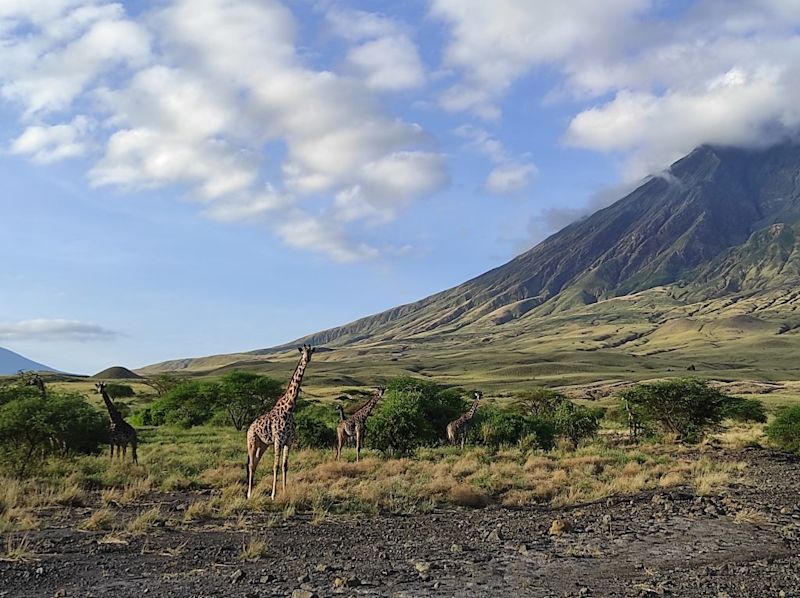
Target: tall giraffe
{"type": "Point", "coordinates": [458, 429]}
{"type": "Point", "coordinates": [121, 433]}
{"type": "Point", "coordinates": [276, 427]}
{"type": "Point", "coordinates": [37, 381]}
{"type": "Point", "coordinates": [354, 425]}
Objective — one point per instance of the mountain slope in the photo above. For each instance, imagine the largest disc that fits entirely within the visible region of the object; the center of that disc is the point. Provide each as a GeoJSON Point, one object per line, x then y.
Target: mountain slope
{"type": "Point", "coordinates": [670, 267]}
{"type": "Point", "coordinates": [709, 202]}
{"type": "Point", "coordinates": [11, 363]}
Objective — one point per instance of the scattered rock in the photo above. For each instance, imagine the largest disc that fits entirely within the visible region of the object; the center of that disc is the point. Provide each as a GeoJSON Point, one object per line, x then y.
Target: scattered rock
{"type": "Point", "coordinates": [558, 527]}
{"type": "Point", "coordinates": [237, 576]}
{"type": "Point", "coordinates": [301, 593]}
{"type": "Point", "coordinates": [304, 578]}
{"type": "Point", "coordinates": [495, 535]}
{"type": "Point", "coordinates": [456, 548]}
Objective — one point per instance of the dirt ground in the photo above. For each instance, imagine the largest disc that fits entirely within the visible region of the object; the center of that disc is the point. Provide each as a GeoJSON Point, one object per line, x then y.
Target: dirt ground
{"type": "Point", "coordinates": [745, 542]}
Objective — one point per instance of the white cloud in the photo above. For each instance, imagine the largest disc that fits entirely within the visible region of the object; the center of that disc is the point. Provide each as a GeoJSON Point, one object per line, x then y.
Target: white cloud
{"type": "Point", "coordinates": [509, 178]}
{"type": "Point", "coordinates": [710, 72]}
{"type": "Point", "coordinates": [494, 43]}
{"type": "Point", "coordinates": [511, 174]}
{"type": "Point", "coordinates": [382, 53]}
{"type": "Point", "coordinates": [200, 88]}
{"type": "Point", "coordinates": [50, 143]}
{"type": "Point", "coordinates": [388, 63]}
{"type": "Point", "coordinates": [44, 329]}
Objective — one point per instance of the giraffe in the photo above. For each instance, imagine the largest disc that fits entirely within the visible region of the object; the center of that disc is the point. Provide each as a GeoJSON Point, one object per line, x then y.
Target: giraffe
{"type": "Point", "coordinates": [121, 433]}
{"type": "Point", "coordinates": [276, 427]}
{"type": "Point", "coordinates": [37, 381]}
{"type": "Point", "coordinates": [458, 429]}
{"type": "Point", "coordinates": [353, 427]}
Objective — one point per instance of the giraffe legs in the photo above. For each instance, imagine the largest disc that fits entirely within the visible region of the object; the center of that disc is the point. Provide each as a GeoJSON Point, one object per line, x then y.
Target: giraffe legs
{"type": "Point", "coordinates": [275, 463]}
{"type": "Point", "coordinates": [284, 466]}
{"type": "Point", "coordinates": [358, 444]}
{"type": "Point", "coordinates": [340, 436]}
{"type": "Point", "coordinates": [112, 451]}
{"type": "Point", "coordinates": [133, 450]}
{"type": "Point", "coordinates": [255, 450]}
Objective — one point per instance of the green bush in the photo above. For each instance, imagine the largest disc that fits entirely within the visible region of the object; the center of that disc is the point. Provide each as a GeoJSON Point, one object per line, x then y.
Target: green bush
{"type": "Point", "coordinates": [399, 425]}
{"type": "Point", "coordinates": [539, 401]}
{"type": "Point", "coordinates": [33, 427]}
{"type": "Point", "coordinates": [496, 427]}
{"type": "Point", "coordinates": [785, 429]}
{"type": "Point", "coordinates": [119, 391]}
{"type": "Point", "coordinates": [189, 404]}
{"type": "Point", "coordinates": [575, 422]}
{"type": "Point", "coordinates": [313, 430]}
{"type": "Point", "coordinates": [744, 410]}
{"type": "Point", "coordinates": [687, 408]}
{"type": "Point", "coordinates": [243, 396]}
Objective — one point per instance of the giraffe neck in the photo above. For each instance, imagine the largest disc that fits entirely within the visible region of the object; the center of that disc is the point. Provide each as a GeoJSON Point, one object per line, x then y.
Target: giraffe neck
{"type": "Point", "coordinates": [469, 414]}
{"type": "Point", "coordinates": [368, 407]}
{"type": "Point", "coordinates": [289, 397]}
{"type": "Point", "coordinates": [113, 413]}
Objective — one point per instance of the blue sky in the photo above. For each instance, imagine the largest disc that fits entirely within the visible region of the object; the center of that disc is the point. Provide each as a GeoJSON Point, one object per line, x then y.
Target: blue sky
{"type": "Point", "coordinates": [184, 178]}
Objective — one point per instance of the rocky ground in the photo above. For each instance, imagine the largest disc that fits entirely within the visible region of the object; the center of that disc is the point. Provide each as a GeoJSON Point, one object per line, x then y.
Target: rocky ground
{"type": "Point", "coordinates": [745, 542]}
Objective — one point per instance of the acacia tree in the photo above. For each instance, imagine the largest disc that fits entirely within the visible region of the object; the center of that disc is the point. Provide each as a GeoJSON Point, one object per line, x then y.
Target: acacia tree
{"type": "Point", "coordinates": [246, 395]}
{"type": "Point", "coordinates": [685, 407]}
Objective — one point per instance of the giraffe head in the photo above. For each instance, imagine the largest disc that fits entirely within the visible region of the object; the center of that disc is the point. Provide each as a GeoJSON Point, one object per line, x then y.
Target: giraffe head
{"type": "Point", "coordinates": [478, 395]}
{"type": "Point", "coordinates": [306, 351]}
{"type": "Point", "coordinates": [100, 387]}
{"type": "Point", "coordinates": [35, 380]}
{"type": "Point", "coordinates": [380, 391]}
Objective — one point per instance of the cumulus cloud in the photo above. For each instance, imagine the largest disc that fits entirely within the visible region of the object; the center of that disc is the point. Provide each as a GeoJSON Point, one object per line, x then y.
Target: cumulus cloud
{"type": "Point", "coordinates": [44, 329]}
{"type": "Point", "coordinates": [50, 143]}
{"type": "Point", "coordinates": [382, 52]}
{"type": "Point", "coordinates": [494, 43]}
{"type": "Point", "coordinates": [510, 173]}
{"type": "Point", "coordinates": [708, 72]}
{"type": "Point", "coordinates": [509, 178]}
{"type": "Point", "coordinates": [214, 96]}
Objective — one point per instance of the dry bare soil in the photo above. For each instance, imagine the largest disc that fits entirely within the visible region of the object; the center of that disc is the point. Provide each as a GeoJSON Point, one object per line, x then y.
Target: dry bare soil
{"type": "Point", "coordinates": [742, 542]}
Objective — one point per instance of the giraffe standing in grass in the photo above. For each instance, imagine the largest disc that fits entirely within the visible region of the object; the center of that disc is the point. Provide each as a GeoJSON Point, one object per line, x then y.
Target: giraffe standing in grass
{"type": "Point", "coordinates": [353, 426]}
{"type": "Point", "coordinates": [37, 381]}
{"type": "Point", "coordinates": [276, 428]}
{"type": "Point", "coordinates": [458, 429]}
{"type": "Point", "coordinates": [121, 433]}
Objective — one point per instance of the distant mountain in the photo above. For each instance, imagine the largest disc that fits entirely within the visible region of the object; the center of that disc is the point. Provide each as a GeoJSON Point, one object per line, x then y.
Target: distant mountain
{"type": "Point", "coordinates": [116, 372]}
{"type": "Point", "coordinates": [11, 363]}
{"type": "Point", "coordinates": [717, 236]}
{"type": "Point", "coordinates": [714, 212]}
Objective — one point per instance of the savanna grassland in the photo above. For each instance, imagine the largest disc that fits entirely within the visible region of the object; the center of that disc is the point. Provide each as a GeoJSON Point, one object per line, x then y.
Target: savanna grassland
{"type": "Point", "coordinates": [605, 516]}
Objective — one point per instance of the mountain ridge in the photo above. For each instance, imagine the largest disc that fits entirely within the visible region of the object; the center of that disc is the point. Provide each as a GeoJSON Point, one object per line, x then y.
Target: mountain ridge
{"type": "Point", "coordinates": [719, 222]}
{"type": "Point", "coordinates": [11, 363]}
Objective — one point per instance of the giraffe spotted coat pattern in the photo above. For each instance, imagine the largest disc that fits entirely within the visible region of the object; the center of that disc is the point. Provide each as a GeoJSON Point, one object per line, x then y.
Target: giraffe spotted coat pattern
{"type": "Point", "coordinates": [121, 433]}
{"type": "Point", "coordinates": [458, 429]}
{"type": "Point", "coordinates": [353, 426]}
{"type": "Point", "coordinates": [276, 428]}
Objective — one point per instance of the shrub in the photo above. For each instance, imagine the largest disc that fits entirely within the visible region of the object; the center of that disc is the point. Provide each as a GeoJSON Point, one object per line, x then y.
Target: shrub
{"type": "Point", "coordinates": [575, 422]}
{"type": "Point", "coordinates": [33, 427]}
{"type": "Point", "coordinates": [314, 428]}
{"type": "Point", "coordinates": [189, 404]}
{"type": "Point", "coordinates": [243, 396]}
{"type": "Point", "coordinates": [539, 401]}
{"type": "Point", "coordinates": [399, 425]}
{"type": "Point", "coordinates": [497, 427]}
{"type": "Point", "coordinates": [785, 429]}
{"type": "Point", "coordinates": [744, 410]}
{"type": "Point", "coordinates": [119, 391]}
{"type": "Point", "coordinates": [684, 407]}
